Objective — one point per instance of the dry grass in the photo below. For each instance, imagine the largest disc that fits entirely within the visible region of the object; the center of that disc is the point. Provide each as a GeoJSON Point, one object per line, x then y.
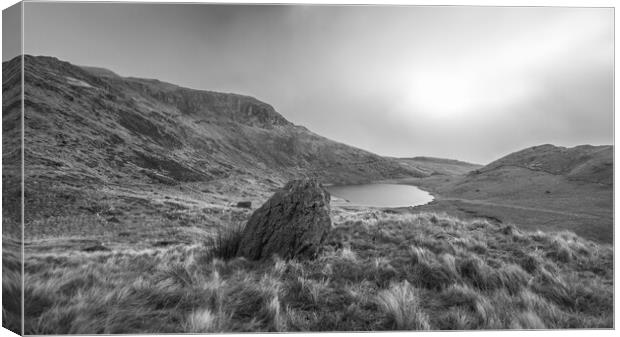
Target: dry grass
{"type": "Point", "coordinates": [385, 272]}
{"type": "Point", "coordinates": [401, 304]}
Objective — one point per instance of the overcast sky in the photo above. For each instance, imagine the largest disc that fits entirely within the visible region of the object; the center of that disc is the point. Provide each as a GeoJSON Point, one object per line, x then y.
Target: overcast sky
{"type": "Point", "coordinates": [469, 83]}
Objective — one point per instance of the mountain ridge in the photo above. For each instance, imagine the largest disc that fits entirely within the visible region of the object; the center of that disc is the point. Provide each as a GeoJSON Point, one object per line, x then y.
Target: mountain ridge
{"type": "Point", "coordinates": [174, 118]}
{"type": "Point", "coordinates": [84, 131]}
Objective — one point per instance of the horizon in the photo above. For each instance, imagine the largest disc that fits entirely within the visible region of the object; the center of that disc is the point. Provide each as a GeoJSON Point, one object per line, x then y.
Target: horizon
{"type": "Point", "coordinates": [474, 86]}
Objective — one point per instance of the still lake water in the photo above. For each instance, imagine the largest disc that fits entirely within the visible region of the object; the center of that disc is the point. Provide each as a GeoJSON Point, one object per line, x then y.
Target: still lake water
{"type": "Point", "coordinates": [381, 195]}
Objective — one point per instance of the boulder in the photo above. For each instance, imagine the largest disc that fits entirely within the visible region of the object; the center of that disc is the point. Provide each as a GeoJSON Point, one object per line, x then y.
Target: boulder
{"type": "Point", "coordinates": [293, 223]}
{"type": "Point", "coordinates": [244, 204]}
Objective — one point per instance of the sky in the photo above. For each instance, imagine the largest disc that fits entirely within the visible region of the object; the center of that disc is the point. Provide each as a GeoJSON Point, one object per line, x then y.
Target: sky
{"type": "Point", "coordinates": [469, 83]}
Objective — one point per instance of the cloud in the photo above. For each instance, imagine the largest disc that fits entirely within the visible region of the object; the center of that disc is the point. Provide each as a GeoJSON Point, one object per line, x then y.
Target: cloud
{"type": "Point", "coordinates": [471, 83]}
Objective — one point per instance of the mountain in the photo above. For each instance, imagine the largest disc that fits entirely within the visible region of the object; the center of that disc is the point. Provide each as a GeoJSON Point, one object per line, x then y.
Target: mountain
{"type": "Point", "coordinates": [581, 163]}
{"type": "Point", "coordinates": [438, 166]}
{"type": "Point", "coordinates": [546, 169]}
{"type": "Point", "coordinates": [557, 173]}
{"type": "Point", "coordinates": [97, 126]}
{"type": "Point", "coordinates": [87, 126]}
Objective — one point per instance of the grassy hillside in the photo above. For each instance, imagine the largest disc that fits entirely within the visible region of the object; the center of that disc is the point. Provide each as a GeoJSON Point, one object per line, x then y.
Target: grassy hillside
{"type": "Point", "coordinates": [377, 272]}
{"type": "Point", "coordinates": [585, 163]}
{"type": "Point", "coordinates": [90, 126]}
{"type": "Point", "coordinates": [94, 139]}
{"type": "Point", "coordinates": [545, 188]}
{"type": "Point", "coordinates": [438, 166]}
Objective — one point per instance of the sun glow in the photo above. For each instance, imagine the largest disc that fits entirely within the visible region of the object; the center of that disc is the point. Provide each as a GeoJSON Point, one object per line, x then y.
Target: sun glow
{"type": "Point", "coordinates": [443, 95]}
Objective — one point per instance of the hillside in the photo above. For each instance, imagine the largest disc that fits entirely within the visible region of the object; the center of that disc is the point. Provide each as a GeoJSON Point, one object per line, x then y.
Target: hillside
{"type": "Point", "coordinates": [540, 188]}
{"type": "Point", "coordinates": [581, 163]}
{"type": "Point", "coordinates": [180, 133]}
{"type": "Point", "coordinates": [87, 127]}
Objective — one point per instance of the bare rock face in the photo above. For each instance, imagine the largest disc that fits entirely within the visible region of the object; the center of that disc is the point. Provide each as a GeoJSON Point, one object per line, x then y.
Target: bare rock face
{"type": "Point", "coordinates": [293, 223]}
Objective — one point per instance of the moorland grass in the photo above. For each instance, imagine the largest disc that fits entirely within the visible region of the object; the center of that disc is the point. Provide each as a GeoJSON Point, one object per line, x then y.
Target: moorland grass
{"type": "Point", "coordinates": [385, 272]}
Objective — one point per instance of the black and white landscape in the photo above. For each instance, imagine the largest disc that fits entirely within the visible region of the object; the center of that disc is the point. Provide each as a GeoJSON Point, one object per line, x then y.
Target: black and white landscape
{"type": "Point", "coordinates": [334, 168]}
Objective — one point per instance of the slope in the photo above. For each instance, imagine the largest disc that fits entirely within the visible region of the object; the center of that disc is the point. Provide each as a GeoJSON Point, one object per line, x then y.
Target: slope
{"type": "Point", "coordinates": [543, 187]}
{"type": "Point", "coordinates": [87, 127]}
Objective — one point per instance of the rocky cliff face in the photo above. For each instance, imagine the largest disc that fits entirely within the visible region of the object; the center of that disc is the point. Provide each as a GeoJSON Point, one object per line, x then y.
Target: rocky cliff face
{"type": "Point", "coordinates": [211, 106]}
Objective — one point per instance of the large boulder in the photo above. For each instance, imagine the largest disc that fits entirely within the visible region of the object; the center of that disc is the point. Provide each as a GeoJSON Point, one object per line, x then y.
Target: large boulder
{"type": "Point", "coordinates": [293, 223]}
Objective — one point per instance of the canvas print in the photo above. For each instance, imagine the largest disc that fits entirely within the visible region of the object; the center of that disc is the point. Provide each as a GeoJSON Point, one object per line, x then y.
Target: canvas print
{"type": "Point", "coordinates": [207, 168]}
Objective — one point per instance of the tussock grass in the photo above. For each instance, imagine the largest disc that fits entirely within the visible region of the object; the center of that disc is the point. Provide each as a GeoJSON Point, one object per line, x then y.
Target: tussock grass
{"type": "Point", "coordinates": [383, 272]}
{"type": "Point", "coordinates": [225, 243]}
{"type": "Point", "coordinates": [205, 321]}
{"type": "Point", "coordinates": [401, 304]}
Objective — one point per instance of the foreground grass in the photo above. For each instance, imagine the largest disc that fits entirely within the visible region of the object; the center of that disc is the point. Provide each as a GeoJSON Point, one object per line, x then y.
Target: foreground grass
{"type": "Point", "coordinates": [377, 272]}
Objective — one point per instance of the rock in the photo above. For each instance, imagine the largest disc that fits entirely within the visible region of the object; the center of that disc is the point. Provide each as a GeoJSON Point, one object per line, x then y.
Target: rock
{"type": "Point", "coordinates": [244, 204]}
{"type": "Point", "coordinates": [98, 247]}
{"type": "Point", "coordinates": [293, 223]}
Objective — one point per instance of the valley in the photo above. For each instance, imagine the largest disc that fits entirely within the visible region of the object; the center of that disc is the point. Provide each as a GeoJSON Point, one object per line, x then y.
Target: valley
{"type": "Point", "coordinates": [129, 182]}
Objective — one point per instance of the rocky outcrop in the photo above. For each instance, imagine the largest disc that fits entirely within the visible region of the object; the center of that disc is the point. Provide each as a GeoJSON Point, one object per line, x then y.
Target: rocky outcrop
{"type": "Point", "coordinates": [233, 107]}
{"type": "Point", "coordinates": [293, 223]}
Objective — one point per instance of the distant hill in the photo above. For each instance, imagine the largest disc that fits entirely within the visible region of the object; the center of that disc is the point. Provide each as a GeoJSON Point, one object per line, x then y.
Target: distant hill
{"type": "Point", "coordinates": [582, 163]}
{"type": "Point", "coordinates": [544, 187]}
{"type": "Point", "coordinates": [438, 166]}
{"type": "Point", "coordinates": [544, 169]}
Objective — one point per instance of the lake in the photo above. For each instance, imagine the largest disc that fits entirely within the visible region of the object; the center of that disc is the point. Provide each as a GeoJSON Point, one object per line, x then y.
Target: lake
{"type": "Point", "coordinates": [381, 195]}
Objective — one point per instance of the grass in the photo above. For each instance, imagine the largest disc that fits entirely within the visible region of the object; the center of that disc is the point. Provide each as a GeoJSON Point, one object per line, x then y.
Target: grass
{"type": "Point", "coordinates": [384, 272]}
{"type": "Point", "coordinates": [225, 243]}
{"type": "Point", "coordinates": [401, 304]}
